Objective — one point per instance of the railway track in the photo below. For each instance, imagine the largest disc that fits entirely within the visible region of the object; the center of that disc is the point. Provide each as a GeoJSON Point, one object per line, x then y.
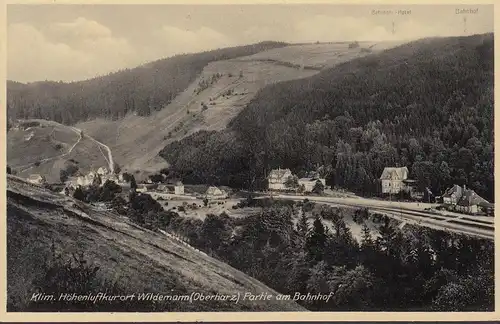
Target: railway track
{"type": "Point", "coordinates": [451, 223]}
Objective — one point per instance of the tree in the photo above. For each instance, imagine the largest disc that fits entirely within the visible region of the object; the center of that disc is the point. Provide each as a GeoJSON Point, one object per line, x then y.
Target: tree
{"type": "Point", "coordinates": [215, 232]}
{"type": "Point", "coordinates": [318, 188]}
{"type": "Point", "coordinates": [63, 175]}
{"type": "Point", "coordinates": [133, 184]}
{"type": "Point", "coordinates": [156, 178]}
{"type": "Point", "coordinates": [9, 170]}
{"type": "Point", "coordinates": [78, 194]}
{"type": "Point", "coordinates": [292, 182]}
{"type": "Point", "coordinates": [97, 181]}
{"type": "Point", "coordinates": [387, 240]}
{"type": "Point", "coordinates": [109, 191]}
{"type": "Point", "coordinates": [303, 229]}
{"type": "Point", "coordinates": [316, 241]}
{"type": "Point", "coordinates": [116, 168]}
{"type": "Point", "coordinates": [353, 289]}
{"type": "Point", "coordinates": [366, 238]}
{"type": "Point", "coordinates": [205, 201]}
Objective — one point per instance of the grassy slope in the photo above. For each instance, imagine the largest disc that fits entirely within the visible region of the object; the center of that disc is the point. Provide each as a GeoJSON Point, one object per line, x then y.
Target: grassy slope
{"type": "Point", "coordinates": [136, 141]}
{"type": "Point", "coordinates": [21, 154]}
{"type": "Point", "coordinates": [141, 260]}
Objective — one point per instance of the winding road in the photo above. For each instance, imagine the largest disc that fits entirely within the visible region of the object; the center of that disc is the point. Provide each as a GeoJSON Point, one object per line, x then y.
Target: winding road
{"type": "Point", "coordinates": [109, 158]}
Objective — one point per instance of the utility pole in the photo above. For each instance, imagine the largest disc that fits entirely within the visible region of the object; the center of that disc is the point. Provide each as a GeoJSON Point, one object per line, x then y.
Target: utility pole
{"type": "Point", "coordinates": [465, 25]}
{"type": "Point", "coordinates": [393, 28]}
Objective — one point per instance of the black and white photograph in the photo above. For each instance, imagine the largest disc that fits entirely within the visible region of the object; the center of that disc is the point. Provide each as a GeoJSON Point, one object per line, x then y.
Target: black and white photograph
{"type": "Point", "coordinates": [165, 158]}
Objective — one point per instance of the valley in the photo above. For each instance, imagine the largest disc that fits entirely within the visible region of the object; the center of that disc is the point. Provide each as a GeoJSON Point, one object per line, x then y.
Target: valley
{"type": "Point", "coordinates": [354, 168]}
{"type": "Point", "coordinates": [136, 141]}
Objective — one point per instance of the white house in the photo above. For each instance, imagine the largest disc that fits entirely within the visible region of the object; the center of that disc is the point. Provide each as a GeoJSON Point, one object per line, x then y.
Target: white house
{"type": "Point", "coordinates": [215, 193]}
{"type": "Point", "coordinates": [392, 179]}
{"type": "Point", "coordinates": [102, 171]}
{"type": "Point", "coordinates": [179, 188]}
{"type": "Point", "coordinates": [309, 183]}
{"type": "Point", "coordinates": [453, 195]}
{"type": "Point", "coordinates": [277, 178]}
{"type": "Point", "coordinates": [87, 180]}
{"type": "Point", "coordinates": [36, 179]}
{"type": "Point", "coordinates": [120, 178]}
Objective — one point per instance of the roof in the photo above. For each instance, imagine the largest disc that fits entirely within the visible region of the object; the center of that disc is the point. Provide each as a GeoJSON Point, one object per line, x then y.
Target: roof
{"type": "Point", "coordinates": [470, 198]}
{"type": "Point", "coordinates": [456, 189]}
{"type": "Point", "coordinates": [279, 173]}
{"type": "Point", "coordinates": [35, 176]}
{"type": "Point", "coordinates": [308, 179]}
{"type": "Point", "coordinates": [178, 183]}
{"type": "Point", "coordinates": [214, 191]}
{"type": "Point", "coordinates": [392, 173]}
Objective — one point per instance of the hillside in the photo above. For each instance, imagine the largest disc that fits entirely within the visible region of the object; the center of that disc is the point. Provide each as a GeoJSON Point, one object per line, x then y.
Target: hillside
{"type": "Point", "coordinates": [224, 87]}
{"type": "Point", "coordinates": [130, 259]}
{"type": "Point", "coordinates": [47, 148]}
{"type": "Point", "coordinates": [140, 90]}
{"type": "Point", "coordinates": [426, 104]}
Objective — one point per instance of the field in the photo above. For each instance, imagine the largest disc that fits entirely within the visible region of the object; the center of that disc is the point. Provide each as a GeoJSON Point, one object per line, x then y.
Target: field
{"type": "Point", "coordinates": [135, 141]}
{"type": "Point", "coordinates": [46, 149]}
{"type": "Point", "coordinates": [322, 55]}
{"type": "Point", "coordinates": [38, 143]}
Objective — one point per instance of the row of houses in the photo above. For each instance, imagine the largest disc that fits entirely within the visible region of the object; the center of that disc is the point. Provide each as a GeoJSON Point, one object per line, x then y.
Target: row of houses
{"type": "Point", "coordinates": [465, 200]}
{"type": "Point", "coordinates": [395, 180]}
{"type": "Point", "coordinates": [278, 179]}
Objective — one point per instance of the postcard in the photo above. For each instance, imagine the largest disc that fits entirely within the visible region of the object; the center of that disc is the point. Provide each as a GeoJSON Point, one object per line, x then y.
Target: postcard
{"type": "Point", "coordinates": [249, 161]}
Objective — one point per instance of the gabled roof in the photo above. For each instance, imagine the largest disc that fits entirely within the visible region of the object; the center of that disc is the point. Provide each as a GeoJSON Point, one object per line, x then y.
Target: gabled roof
{"type": "Point", "coordinates": [214, 191]}
{"type": "Point", "coordinates": [178, 183]}
{"type": "Point", "coordinates": [456, 189]}
{"type": "Point", "coordinates": [470, 198]}
{"type": "Point", "coordinates": [279, 173]}
{"type": "Point", "coordinates": [392, 173]}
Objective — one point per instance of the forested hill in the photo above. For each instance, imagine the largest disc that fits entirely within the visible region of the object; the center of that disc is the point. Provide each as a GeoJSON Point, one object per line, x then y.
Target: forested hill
{"type": "Point", "coordinates": [142, 89]}
{"type": "Point", "coordinates": [427, 105]}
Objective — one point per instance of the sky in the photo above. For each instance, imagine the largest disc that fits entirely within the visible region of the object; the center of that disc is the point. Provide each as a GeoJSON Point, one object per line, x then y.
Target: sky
{"type": "Point", "coordinates": [76, 42]}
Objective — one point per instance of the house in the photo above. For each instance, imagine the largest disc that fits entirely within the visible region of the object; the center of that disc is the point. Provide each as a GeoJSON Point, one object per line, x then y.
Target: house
{"type": "Point", "coordinates": [179, 188]}
{"type": "Point", "coordinates": [309, 183]}
{"type": "Point", "coordinates": [142, 188]}
{"type": "Point", "coordinates": [393, 178]}
{"type": "Point", "coordinates": [277, 178]}
{"type": "Point", "coordinates": [215, 193]}
{"type": "Point", "coordinates": [162, 188]}
{"type": "Point", "coordinates": [36, 179]}
{"type": "Point", "coordinates": [102, 171]}
{"type": "Point", "coordinates": [452, 195]}
{"type": "Point", "coordinates": [120, 178]}
{"type": "Point", "coordinates": [471, 201]}
{"type": "Point", "coordinates": [87, 180]}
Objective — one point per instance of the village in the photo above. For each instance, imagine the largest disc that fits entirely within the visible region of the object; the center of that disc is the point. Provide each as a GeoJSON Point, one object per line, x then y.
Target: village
{"type": "Point", "coordinates": [395, 185]}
